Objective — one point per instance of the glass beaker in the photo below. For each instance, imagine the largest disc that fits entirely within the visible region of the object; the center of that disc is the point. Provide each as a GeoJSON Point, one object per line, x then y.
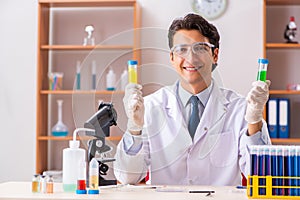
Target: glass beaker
{"type": "Point", "coordinates": [59, 129]}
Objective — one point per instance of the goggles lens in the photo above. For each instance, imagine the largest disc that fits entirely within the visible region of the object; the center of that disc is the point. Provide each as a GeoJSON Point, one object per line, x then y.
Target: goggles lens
{"type": "Point", "coordinates": [198, 48]}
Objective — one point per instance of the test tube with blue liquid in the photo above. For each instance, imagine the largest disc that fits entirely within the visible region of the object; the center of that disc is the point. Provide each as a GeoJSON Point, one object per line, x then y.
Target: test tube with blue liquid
{"type": "Point", "coordinates": [285, 150]}
{"type": "Point", "coordinates": [267, 161]}
{"type": "Point", "coordinates": [280, 164]}
{"type": "Point", "coordinates": [254, 165]}
{"type": "Point", "coordinates": [94, 75]}
{"type": "Point", "coordinates": [78, 75]}
{"type": "Point", "coordinates": [292, 169]}
{"type": "Point", "coordinates": [297, 169]}
{"type": "Point", "coordinates": [261, 170]}
{"type": "Point", "coordinates": [262, 69]}
{"type": "Point", "coordinates": [274, 168]}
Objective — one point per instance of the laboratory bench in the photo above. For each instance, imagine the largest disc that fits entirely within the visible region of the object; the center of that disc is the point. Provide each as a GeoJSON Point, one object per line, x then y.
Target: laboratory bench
{"type": "Point", "coordinates": [22, 190]}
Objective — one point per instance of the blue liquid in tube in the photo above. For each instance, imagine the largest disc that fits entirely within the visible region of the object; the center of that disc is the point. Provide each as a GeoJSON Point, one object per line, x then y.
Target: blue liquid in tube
{"type": "Point", "coordinates": [60, 133]}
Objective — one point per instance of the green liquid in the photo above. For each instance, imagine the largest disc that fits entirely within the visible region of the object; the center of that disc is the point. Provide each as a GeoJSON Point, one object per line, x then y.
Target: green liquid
{"type": "Point", "coordinates": [69, 187]}
{"type": "Point", "coordinates": [262, 76]}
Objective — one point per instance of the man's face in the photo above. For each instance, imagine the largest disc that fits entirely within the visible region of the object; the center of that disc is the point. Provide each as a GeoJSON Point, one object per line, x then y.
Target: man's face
{"type": "Point", "coordinates": [193, 66]}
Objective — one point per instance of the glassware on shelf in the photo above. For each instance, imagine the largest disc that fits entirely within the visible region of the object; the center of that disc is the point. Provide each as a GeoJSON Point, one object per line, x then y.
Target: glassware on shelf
{"type": "Point", "coordinates": [60, 129]}
{"type": "Point", "coordinates": [89, 39]}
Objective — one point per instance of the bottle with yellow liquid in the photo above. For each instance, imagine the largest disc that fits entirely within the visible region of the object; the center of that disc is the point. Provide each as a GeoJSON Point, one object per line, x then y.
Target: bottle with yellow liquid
{"type": "Point", "coordinates": [132, 71]}
{"type": "Point", "coordinates": [93, 177]}
{"type": "Point", "coordinates": [36, 183]}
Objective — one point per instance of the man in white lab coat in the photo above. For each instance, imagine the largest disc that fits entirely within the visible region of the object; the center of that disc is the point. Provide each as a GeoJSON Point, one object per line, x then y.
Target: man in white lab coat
{"type": "Point", "coordinates": [163, 139]}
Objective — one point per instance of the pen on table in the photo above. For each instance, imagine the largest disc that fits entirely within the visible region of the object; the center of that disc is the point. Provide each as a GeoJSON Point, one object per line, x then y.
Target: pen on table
{"type": "Point", "coordinates": [241, 187]}
{"type": "Point", "coordinates": [201, 191]}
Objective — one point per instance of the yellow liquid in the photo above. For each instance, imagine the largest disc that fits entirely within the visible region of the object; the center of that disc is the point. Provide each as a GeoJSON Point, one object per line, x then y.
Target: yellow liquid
{"type": "Point", "coordinates": [49, 188]}
{"type": "Point", "coordinates": [93, 183]}
{"type": "Point", "coordinates": [35, 186]}
{"type": "Point", "coordinates": [132, 75]}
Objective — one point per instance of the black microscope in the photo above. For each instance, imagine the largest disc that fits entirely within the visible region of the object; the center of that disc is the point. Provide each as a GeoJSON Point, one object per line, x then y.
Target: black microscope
{"type": "Point", "coordinates": [101, 121]}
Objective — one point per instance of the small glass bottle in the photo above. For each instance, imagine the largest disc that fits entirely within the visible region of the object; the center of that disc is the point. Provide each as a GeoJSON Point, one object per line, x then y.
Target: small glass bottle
{"type": "Point", "coordinates": [132, 71]}
{"type": "Point", "coordinates": [93, 176]}
{"type": "Point", "coordinates": [89, 39]}
{"type": "Point", "coordinates": [43, 184]}
{"type": "Point", "coordinates": [262, 69]}
{"type": "Point", "coordinates": [35, 184]}
{"type": "Point", "coordinates": [110, 80]}
{"type": "Point", "coordinates": [49, 184]}
{"type": "Point", "coordinates": [124, 79]}
{"type": "Point", "coordinates": [60, 129]}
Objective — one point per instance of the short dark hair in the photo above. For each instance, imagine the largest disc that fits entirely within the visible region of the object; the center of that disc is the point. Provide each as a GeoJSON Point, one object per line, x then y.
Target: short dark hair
{"type": "Point", "coordinates": [194, 22]}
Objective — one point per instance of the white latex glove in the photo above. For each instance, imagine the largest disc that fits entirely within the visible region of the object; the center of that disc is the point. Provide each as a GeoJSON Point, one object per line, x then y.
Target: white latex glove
{"type": "Point", "coordinates": [257, 98]}
{"type": "Point", "coordinates": [134, 107]}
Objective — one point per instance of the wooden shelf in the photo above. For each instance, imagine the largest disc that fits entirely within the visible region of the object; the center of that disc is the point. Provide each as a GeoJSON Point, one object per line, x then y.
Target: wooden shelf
{"type": "Point", "coordinates": [68, 92]}
{"type": "Point", "coordinates": [81, 47]}
{"type": "Point", "coordinates": [54, 15]}
{"type": "Point", "coordinates": [67, 138]}
{"type": "Point", "coordinates": [284, 92]}
{"type": "Point", "coordinates": [281, 45]}
{"type": "Point", "coordinates": [285, 140]}
{"type": "Point", "coordinates": [283, 2]}
{"type": "Point", "coordinates": [87, 3]}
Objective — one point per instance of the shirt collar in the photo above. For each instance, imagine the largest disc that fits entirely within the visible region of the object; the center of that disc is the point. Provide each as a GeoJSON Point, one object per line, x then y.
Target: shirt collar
{"type": "Point", "coordinates": [203, 96]}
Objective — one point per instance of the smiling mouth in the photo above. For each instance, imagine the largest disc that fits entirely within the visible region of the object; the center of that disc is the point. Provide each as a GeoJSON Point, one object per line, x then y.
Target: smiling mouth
{"type": "Point", "coordinates": [192, 69]}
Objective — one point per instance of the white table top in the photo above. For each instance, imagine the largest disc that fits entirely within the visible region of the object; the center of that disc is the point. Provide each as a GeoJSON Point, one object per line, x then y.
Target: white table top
{"type": "Point", "coordinates": [22, 190]}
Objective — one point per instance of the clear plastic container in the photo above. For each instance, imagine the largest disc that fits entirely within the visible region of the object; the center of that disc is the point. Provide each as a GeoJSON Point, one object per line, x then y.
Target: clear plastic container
{"type": "Point", "coordinates": [124, 80]}
{"type": "Point", "coordinates": [55, 80]}
{"type": "Point", "coordinates": [111, 80]}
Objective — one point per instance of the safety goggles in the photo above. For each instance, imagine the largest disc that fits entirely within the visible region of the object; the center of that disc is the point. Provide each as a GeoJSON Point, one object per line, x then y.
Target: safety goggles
{"type": "Point", "coordinates": [198, 48]}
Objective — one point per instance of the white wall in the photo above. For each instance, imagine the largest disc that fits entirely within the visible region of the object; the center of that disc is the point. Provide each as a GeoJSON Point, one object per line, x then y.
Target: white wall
{"type": "Point", "coordinates": [18, 22]}
{"type": "Point", "coordinates": [241, 45]}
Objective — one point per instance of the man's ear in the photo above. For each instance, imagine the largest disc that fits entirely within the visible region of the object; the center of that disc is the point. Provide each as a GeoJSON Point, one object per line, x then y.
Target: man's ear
{"type": "Point", "coordinates": [171, 57]}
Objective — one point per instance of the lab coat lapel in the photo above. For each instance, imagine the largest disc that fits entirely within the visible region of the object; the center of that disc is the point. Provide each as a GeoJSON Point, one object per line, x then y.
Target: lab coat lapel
{"type": "Point", "coordinates": [176, 134]}
{"type": "Point", "coordinates": [173, 110]}
{"type": "Point", "coordinates": [214, 113]}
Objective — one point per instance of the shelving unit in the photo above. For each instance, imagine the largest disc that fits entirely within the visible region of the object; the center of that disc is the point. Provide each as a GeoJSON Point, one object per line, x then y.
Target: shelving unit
{"type": "Point", "coordinates": [60, 36]}
{"type": "Point", "coordinates": [283, 58]}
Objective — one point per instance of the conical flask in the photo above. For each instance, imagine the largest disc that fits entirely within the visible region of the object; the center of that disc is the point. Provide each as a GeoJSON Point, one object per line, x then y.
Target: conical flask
{"type": "Point", "coordinates": [60, 129]}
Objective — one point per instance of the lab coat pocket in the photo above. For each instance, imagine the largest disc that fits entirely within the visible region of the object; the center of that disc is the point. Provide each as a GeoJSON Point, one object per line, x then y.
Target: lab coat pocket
{"type": "Point", "coordinates": [224, 150]}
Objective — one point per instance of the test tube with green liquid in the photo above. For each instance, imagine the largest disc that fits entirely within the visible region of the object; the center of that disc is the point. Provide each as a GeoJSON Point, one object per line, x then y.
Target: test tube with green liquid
{"type": "Point", "coordinates": [132, 71]}
{"type": "Point", "coordinates": [262, 69]}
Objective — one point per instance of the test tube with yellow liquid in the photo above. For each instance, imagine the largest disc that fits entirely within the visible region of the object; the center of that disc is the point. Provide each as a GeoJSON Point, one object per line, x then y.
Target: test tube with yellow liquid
{"type": "Point", "coordinates": [93, 177]}
{"type": "Point", "coordinates": [132, 71]}
{"type": "Point", "coordinates": [262, 69]}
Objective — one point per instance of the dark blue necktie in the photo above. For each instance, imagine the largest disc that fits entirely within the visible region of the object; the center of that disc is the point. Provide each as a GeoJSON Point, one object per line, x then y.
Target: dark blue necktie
{"type": "Point", "coordinates": [194, 118]}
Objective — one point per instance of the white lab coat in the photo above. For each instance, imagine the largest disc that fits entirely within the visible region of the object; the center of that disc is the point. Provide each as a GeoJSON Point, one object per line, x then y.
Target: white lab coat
{"type": "Point", "coordinates": [217, 156]}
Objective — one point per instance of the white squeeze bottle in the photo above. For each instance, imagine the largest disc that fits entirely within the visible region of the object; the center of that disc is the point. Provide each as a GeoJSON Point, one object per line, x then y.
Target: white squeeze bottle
{"type": "Point", "coordinates": [111, 80]}
{"type": "Point", "coordinates": [124, 79]}
{"type": "Point", "coordinates": [72, 157]}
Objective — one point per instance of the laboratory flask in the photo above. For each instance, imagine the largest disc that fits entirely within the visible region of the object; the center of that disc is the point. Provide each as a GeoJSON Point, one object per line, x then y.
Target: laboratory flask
{"type": "Point", "coordinates": [60, 129]}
